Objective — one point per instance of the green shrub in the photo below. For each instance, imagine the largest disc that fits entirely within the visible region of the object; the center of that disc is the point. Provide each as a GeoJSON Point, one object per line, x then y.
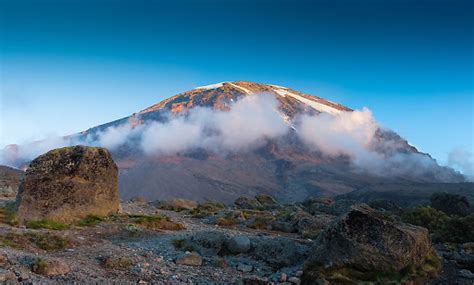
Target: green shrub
{"type": "Point", "coordinates": [427, 217]}
{"type": "Point", "coordinates": [39, 266]}
{"type": "Point", "coordinates": [156, 223]}
{"type": "Point", "coordinates": [45, 241]}
{"type": "Point", "coordinates": [207, 209]}
{"type": "Point", "coordinates": [49, 241]}
{"type": "Point", "coordinates": [457, 230]}
{"type": "Point", "coordinates": [46, 224]}
{"type": "Point", "coordinates": [443, 228]}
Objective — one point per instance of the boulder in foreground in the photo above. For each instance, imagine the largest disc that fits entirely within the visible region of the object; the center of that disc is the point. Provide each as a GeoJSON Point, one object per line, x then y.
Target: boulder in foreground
{"type": "Point", "coordinates": [368, 245]}
{"type": "Point", "coordinates": [68, 184]}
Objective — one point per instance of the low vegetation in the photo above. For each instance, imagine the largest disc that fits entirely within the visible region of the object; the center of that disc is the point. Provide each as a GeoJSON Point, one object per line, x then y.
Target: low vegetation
{"type": "Point", "coordinates": [7, 215]}
{"type": "Point", "coordinates": [46, 224]}
{"type": "Point", "coordinates": [45, 241]}
{"type": "Point", "coordinates": [91, 220]}
{"type": "Point", "coordinates": [353, 275]}
{"type": "Point", "coordinates": [443, 228]}
{"type": "Point", "coordinates": [207, 209]}
{"type": "Point", "coordinates": [177, 205]}
{"type": "Point", "coordinates": [262, 222]}
{"type": "Point", "coordinates": [39, 266]}
{"type": "Point", "coordinates": [226, 221]}
{"type": "Point", "coordinates": [156, 223]}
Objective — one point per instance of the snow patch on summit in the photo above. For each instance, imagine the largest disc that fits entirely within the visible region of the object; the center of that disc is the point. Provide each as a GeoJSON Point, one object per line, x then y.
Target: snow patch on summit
{"type": "Point", "coordinates": [313, 104]}
{"type": "Point", "coordinates": [277, 86]}
{"type": "Point", "coordinates": [241, 88]}
{"type": "Point", "coordinates": [211, 86]}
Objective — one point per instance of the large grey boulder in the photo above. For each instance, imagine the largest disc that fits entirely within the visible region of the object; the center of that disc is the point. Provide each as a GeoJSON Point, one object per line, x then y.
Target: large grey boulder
{"type": "Point", "coordinates": [279, 252]}
{"type": "Point", "coordinates": [368, 241]}
{"type": "Point", "coordinates": [67, 184]}
{"type": "Point", "coordinates": [238, 244]}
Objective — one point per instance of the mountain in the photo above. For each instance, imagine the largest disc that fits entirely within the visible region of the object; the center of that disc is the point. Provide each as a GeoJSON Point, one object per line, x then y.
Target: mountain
{"type": "Point", "coordinates": [9, 180]}
{"type": "Point", "coordinates": [284, 166]}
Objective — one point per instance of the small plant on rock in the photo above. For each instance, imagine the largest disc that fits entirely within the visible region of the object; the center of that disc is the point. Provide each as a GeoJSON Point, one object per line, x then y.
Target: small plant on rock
{"type": "Point", "coordinates": [39, 266]}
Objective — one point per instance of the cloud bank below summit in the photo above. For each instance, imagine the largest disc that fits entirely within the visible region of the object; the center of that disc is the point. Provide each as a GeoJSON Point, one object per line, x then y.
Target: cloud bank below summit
{"type": "Point", "coordinates": [247, 125]}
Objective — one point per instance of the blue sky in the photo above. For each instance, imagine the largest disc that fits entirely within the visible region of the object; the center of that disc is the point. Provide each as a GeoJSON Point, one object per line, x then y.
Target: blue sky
{"type": "Point", "coordinates": [68, 65]}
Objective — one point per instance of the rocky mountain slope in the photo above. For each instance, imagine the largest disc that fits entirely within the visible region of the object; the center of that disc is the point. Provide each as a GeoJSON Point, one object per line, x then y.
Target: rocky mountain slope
{"type": "Point", "coordinates": [283, 166]}
{"type": "Point", "coordinates": [9, 180]}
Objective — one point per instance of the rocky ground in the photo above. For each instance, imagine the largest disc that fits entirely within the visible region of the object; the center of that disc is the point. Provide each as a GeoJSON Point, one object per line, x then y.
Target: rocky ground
{"type": "Point", "coordinates": [252, 242]}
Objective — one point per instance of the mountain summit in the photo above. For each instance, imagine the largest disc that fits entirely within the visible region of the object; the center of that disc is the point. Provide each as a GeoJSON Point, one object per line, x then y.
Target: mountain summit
{"type": "Point", "coordinates": [220, 95]}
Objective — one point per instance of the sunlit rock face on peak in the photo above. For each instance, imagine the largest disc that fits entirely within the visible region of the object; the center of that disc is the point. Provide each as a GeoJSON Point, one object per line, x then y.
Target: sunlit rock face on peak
{"type": "Point", "coordinates": [221, 95]}
{"type": "Point", "coordinates": [229, 139]}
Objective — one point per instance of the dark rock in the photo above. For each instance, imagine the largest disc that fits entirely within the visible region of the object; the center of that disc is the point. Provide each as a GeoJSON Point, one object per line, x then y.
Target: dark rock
{"type": "Point", "coordinates": [451, 204]}
{"type": "Point", "coordinates": [4, 261]}
{"type": "Point", "coordinates": [386, 206]}
{"type": "Point", "coordinates": [279, 252]}
{"type": "Point", "coordinates": [190, 259]}
{"type": "Point", "coordinates": [67, 184]}
{"type": "Point", "coordinates": [247, 203]}
{"type": "Point", "coordinates": [53, 267]}
{"type": "Point", "coordinates": [283, 226]}
{"type": "Point", "coordinates": [464, 273]}
{"type": "Point", "coordinates": [468, 247]}
{"type": "Point", "coordinates": [238, 244]}
{"type": "Point", "coordinates": [7, 277]}
{"type": "Point", "coordinates": [373, 238]}
{"type": "Point", "coordinates": [294, 280]}
{"type": "Point", "coordinates": [465, 260]}
{"type": "Point", "coordinates": [309, 225]}
{"type": "Point", "coordinates": [369, 241]}
{"type": "Point", "coordinates": [327, 206]}
{"type": "Point", "coordinates": [244, 267]}
{"type": "Point", "coordinates": [254, 280]}
{"type": "Point", "coordinates": [208, 243]}
{"type": "Point", "coordinates": [266, 200]}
